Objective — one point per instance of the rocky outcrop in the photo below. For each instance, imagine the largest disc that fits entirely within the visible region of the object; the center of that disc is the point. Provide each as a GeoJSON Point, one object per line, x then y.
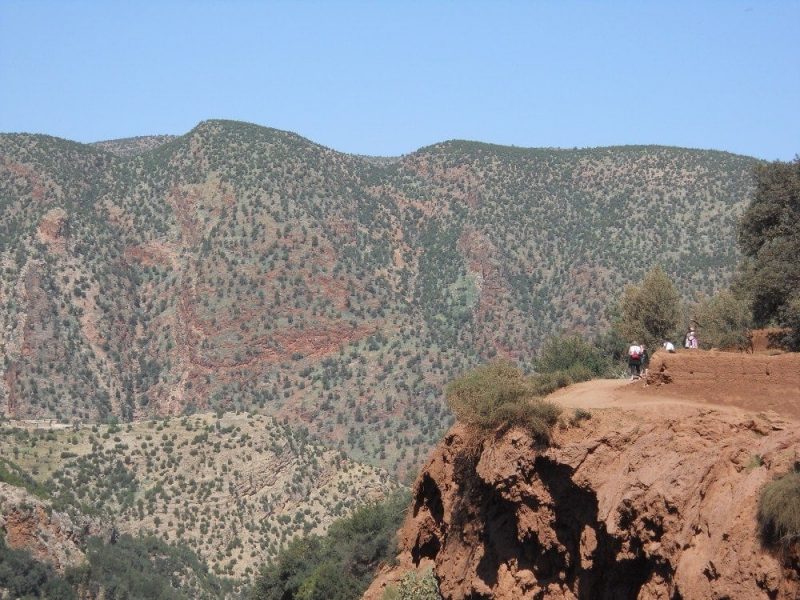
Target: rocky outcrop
{"type": "Point", "coordinates": [29, 523]}
{"type": "Point", "coordinates": [53, 229]}
{"type": "Point", "coordinates": [648, 504]}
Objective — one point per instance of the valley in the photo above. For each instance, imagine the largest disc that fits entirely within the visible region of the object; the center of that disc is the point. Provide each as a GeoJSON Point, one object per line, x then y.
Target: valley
{"type": "Point", "coordinates": [232, 488]}
{"type": "Point", "coordinates": [239, 267]}
{"type": "Point", "coordinates": [217, 343]}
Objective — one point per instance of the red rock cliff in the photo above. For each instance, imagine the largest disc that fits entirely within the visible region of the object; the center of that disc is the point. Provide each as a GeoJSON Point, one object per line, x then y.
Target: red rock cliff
{"type": "Point", "coordinates": [657, 502]}
{"type": "Point", "coordinates": [28, 523]}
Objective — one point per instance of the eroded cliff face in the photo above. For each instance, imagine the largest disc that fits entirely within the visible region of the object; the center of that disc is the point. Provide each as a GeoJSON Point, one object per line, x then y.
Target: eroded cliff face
{"type": "Point", "coordinates": [650, 503]}
{"type": "Point", "coordinates": [54, 537]}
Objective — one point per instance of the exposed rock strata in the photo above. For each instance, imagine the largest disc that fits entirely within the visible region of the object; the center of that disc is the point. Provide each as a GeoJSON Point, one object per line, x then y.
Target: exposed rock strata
{"type": "Point", "coordinates": [29, 523]}
{"type": "Point", "coordinates": [642, 504]}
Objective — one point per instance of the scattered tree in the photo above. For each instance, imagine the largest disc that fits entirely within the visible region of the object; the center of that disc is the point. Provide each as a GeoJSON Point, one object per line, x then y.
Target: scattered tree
{"type": "Point", "coordinates": [769, 236]}
{"type": "Point", "coordinates": [650, 312]}
{"type": "Point", "coordinates": [726, 321]}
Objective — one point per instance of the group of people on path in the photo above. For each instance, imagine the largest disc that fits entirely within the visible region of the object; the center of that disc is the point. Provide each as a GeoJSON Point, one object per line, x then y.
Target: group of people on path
{"type": "Point", "coordinates": [638, 358]}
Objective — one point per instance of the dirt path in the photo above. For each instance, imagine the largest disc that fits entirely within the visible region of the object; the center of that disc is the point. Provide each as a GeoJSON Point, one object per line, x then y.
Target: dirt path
{"type": "Point", "coordinates": [622, 393]}
{"type": "Point", "coordinates": [614, 393]}
{"type": "Point", "coordinates": [734, 383]}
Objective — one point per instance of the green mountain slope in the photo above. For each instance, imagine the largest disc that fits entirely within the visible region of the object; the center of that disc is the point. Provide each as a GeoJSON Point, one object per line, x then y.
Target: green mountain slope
{"type": "Point", "coordinates": [232, 488]}
{"type": "Point", "coordinates": [132, 146]}
{"type": "Point", "coordinates": [244, 267]}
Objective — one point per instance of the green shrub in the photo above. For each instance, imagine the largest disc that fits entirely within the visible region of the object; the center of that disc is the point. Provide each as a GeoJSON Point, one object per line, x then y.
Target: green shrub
{"type": "Point", "coordinates": [415, 586]}
{"type": "Point", "coordinates": [340, 565]}
{"type": "Point", "coordinates": [22, 576]}
{"type": "Point", "coordinates": [790, 317]}
{"type": "Point", "coordinates": [12, 474]}
{"type": "Point", "coordinates": [779, 510]}
{"type": "Point", "coordinates": [726, 321]}
{"type": "Point", "coordinates": [496, 394]}
{"type": "Point", "coordinates": [580, 415]}
{"type": "Point", "coordinates": [535, 415]}
{"type": "Point", "coordinates": [547, 383]}
{"type": "Point", "coordinates": [568, 352]}
{"type": "Point", "coordinates": [475, 397]}
{"type": "Point", "coordinates": [568, 359]}
{"type": "Point", "coordinates": [144, 567]}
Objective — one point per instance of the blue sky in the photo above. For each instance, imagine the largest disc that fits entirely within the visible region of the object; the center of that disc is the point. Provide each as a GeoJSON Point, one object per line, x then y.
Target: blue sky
{"type": "Point", "coordinates": [386, 78]}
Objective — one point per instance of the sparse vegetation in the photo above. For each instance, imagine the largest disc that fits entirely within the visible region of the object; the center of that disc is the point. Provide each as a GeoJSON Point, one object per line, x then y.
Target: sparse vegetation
{"type": "Point", "coordinates": [779, 510]}
{"type": "Point", "coordinates": [499, 394]}
{"type": "Point", "coordinates": [240, 267]}
{"type": "Point", "coordinates": [340, 565]}
{"type": "Point", "coordinates": [415, 586]}
{"type": "Point", "coordinates": [234, 489]}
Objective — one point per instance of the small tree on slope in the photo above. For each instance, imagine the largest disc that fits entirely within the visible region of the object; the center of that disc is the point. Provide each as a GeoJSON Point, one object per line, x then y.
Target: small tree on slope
{"type": "Point", "coordinates": [650, 312]}
{"type": "Point", "coordinates": [769, 236]}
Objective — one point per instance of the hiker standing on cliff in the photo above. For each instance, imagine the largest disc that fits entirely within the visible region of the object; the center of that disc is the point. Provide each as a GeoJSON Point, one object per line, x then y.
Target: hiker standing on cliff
{"type": "Point", "coordinates": [645, 361]}
{"type": "Point", "coordinates": [635, 360]}
{"type": "Point", "coordinates": [691, 339]}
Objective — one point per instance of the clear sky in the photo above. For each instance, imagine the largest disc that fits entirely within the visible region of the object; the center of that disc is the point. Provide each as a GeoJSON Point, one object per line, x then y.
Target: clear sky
{"type": "Point", "coordinates": [386, 77]}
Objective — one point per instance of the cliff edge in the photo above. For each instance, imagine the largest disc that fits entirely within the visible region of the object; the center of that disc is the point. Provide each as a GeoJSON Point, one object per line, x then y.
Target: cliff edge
{"type": "Point", "coordinates": [651, 500]}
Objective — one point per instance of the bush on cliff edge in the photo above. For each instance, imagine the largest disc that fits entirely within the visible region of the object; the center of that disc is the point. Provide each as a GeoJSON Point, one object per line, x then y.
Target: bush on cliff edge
{"type": "Point", "coordinates": [414, 586]}
{"type": "Point", "coordinates": [779, 510]}
{"type": "Point", "coordinates": [567, 359]}
{"type": "Point", "coordinates": [499, 394]}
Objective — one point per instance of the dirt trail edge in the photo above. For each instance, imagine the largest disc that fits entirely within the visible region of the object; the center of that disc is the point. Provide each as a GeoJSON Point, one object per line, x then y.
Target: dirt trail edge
{"type": "Point", "coordinates": [732, 383]}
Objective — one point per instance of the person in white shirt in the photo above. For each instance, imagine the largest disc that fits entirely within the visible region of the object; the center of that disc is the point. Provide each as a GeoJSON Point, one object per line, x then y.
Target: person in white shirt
{"type": "Point", "coordinates": [635, 360]}
{"type": "Point", "coordinates": [669, 346]}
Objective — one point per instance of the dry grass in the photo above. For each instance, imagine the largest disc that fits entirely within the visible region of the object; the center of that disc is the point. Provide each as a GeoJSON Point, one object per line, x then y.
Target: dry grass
{"type": "Point", "coordinates": [779, 510]}
{"type": "Point", "coordinates": [498, 395]}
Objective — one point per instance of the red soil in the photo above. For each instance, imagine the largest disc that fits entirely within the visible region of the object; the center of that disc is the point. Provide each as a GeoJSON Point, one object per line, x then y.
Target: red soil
{"type": "Point", "coordinates": [755, 382]}
{"type": "Point", "coordinates": [654, 497]}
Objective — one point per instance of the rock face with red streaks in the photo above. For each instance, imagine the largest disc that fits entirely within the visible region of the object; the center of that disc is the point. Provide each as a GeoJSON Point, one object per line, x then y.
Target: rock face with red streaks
{"type": "Point", "coordinates": [54, 537]}
{"type": "Point", "coordinates": [643, 503]}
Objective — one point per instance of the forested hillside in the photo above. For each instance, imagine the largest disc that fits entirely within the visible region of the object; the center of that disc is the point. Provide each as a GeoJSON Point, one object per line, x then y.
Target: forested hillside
{"type": "Point", "coordinates": [244, 267]}
{"type": "Point", "coordinates": [232, 488]}
{"type": "Point", "coordinates": [132, 146]}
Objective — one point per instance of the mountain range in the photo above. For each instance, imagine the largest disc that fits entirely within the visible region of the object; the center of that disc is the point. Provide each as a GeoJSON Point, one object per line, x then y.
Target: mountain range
{"type": "Point", "coordinates": [238, 267]}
